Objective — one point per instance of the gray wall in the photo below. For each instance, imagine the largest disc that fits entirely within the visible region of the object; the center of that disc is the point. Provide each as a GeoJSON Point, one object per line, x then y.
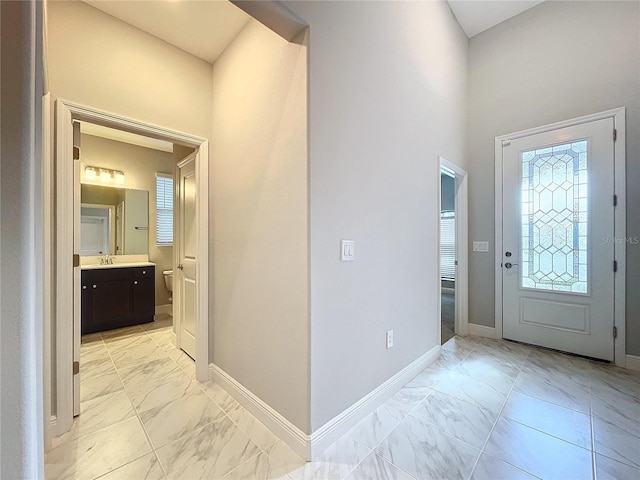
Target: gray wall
{"type": "Point", "coordinates": [447, 193]}
{"type": "Point", "coordinates": [557, 61]}
{"type": "Point", "coordinates": [387, 93]}
{"type": "Point", "coordinates": [259, 204]}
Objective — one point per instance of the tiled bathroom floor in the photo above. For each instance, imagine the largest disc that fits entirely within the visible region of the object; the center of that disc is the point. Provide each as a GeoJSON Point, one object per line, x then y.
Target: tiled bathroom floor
{"type": "Point", "coordinates": [486, 409]}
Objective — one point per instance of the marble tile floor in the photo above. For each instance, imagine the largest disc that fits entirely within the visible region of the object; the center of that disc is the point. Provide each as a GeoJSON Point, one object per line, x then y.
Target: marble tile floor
{"type": "Point", "coordinates": [486, 410]}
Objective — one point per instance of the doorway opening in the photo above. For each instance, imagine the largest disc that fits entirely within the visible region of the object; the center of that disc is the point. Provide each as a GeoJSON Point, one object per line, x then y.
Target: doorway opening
{"type": "Point", "coordinates": [448, 261]}
{"type": "Point", "coordinates": [452, 228]}
{"type": "Point", "coordinates": [73, 292]}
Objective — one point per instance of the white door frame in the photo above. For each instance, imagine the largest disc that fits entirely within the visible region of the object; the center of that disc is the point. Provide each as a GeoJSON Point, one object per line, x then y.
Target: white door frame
{"type": "Point", "coordinates": [462, 243]}
{"type": "Point", "coordinates": [618, 115]}
{"type": "Point", "coordinates": [66, 113]}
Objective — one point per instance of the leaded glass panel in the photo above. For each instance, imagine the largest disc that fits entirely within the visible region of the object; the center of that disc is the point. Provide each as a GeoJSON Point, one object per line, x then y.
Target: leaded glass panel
{"type": "Point", "coordinates": [555, 218]}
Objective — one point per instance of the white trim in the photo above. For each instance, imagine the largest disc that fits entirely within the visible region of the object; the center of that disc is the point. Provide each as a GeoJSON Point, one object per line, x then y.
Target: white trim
{"type": "Point", "coordinates": [64, 271]}
{"type": "Point", "coordinates": [498, 237]}
{"type": "Point", "coordinates": [295, 438]}
{"type": "Point", "coordinates": [47, 255]}
{"type": "Point", "coordinates": [310, 447]}
{"type": "Point", "coordinates": [618, 115]}
{"type": "Point", "coordinates": [620, 231]}
{"type": "Point", "coordinates": [633, 362]}
{"type": "Point", "coordinates": [66, 112]}
{"type": "Point", "coordinates": [168, 308]}
{"type": "Point", "coordinates": [482, 331]}
{"type": "Point", "coordinates": [335, 428]}
{"type": "Point", "coordinates": [461, 285]}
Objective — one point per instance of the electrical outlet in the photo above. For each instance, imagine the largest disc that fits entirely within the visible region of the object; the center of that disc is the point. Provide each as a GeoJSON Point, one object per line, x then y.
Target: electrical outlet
{"type": "Point", "coordinates": [389, 338]}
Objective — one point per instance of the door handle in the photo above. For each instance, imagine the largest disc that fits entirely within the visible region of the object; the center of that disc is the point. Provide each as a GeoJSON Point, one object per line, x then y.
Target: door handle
{"type": "Point", "coordinates": [180, 267]}
{"type": "Point", "coordinates": [509, 264]}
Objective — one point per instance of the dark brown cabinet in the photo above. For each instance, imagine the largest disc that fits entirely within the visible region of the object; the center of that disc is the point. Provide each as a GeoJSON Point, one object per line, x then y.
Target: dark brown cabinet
{"type": "Point", "coordinates": [117, 297]}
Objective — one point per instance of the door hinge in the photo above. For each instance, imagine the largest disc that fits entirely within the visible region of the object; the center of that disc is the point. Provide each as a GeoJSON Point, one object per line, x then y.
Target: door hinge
{"type": "Point", "coordinates": [76, 260]}
{"type": "Point", "coordinates": [615, 332]}
{"type": "Point", "coordinates": [615, 200]}
{"type": "Point", "coordinates": [76, 368]}
{"type": "Point", "coordinates": [76, 140]}
{"type": "Point", "coordinates": [615, 265]}
{"type": "Point", "coordinates": [615, 134]}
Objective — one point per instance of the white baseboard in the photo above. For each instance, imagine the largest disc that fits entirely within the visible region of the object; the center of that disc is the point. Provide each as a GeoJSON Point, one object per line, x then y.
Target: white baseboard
{"type": "Point", "coordinates": [310, 447]}
{"type": "Point", "coordinates": [168, 308]}
{"type": "Point", "coordinates": [633, 362]}
{"type": "Point", "coordinates": [482, 331]}
{"type": "Point", "coordinates": [335, 428]}
{"type": "Point", "coordinates": [295, 438]}
{"type": "Point", "coordinates": [50, 433]}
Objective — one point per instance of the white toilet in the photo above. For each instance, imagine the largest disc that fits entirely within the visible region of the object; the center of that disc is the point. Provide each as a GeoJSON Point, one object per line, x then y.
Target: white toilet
{"type": "Point", "coordinates": [168, 282]}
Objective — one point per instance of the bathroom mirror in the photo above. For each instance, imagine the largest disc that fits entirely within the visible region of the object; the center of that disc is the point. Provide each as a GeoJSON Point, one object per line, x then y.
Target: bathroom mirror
{"type": "Point", "coordinates": [113, 221]}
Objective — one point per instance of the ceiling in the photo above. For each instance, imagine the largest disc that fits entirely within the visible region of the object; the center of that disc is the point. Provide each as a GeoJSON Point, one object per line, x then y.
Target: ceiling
{"type": "Point", "coordinates": [205, 28]}
{"type": "Point", "coordinates": [202, 28]}
{"type": "Point", "coordinates": [476, 16]}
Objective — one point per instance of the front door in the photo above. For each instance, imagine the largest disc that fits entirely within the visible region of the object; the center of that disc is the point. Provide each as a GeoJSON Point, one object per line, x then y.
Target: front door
{"type": "Point", "coordinates": [185, 272]}
{"type": "Point", "coordinates": [558, 227]}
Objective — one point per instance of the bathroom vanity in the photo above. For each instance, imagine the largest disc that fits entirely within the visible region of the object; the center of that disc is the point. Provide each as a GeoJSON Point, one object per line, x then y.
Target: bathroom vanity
{"type": "Point", "coordinates": [117, 295]}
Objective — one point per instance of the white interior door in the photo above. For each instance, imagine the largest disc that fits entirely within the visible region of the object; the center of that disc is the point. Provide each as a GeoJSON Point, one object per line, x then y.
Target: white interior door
{"type": "Point", "coordinates": [186, 245]}
{"type": "Point", "coordinates": [558, 229]}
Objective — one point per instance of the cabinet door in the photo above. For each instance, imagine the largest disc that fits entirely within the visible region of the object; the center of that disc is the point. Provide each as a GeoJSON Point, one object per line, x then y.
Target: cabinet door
{"type": "Point", "coordinates": [110, 301]}
{"type": "Point", "coordinates": [86, 322]}
{"type": "Point", "coordinates": [144, 297]}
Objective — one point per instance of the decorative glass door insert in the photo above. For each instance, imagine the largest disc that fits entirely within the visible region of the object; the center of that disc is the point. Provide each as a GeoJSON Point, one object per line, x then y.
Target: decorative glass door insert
{"type": "Point", "coordinates": [555, 218]}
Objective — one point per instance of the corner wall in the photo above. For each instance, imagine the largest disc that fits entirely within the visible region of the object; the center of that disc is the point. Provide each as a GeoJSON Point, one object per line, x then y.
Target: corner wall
{"type": "Point", "coordinates": [21, 242]}
{"type": "Point", "coordinates": [387, 96]}
{"type": "Point", "coordinates": [259, 203]}
{"type": "Point", "coordinates": [557, 61]}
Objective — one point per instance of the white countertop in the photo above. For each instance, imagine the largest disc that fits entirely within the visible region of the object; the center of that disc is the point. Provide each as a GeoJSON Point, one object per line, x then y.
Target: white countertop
{"type": "Point", "coordinates": [117, 265]}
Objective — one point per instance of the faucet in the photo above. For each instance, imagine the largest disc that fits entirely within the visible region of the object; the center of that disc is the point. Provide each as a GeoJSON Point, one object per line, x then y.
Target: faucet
{"type": "Point", "coordinates": [106, 260]}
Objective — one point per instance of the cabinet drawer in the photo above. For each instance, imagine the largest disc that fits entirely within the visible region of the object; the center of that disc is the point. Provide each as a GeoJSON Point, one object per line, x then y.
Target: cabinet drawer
{"type": "Point", "coordinates": [143, 272]}
{"type": "Point", "coordinates": [111, 275]}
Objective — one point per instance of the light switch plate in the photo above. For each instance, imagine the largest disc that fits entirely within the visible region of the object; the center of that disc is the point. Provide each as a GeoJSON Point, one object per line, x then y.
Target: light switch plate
{"type": "Point", "coordinates": [347, 250]}
{"type": "Point", "coordinates": [480, 246]}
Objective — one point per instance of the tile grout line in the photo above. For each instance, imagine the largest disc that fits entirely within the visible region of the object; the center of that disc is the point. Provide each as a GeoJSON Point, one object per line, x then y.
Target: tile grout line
{"type": "Point", "coordinates": [495, 423]}
{"type": "Point", "coordinates": [137, 415]}
{"type": "Point", "coordinates": [594, 469]}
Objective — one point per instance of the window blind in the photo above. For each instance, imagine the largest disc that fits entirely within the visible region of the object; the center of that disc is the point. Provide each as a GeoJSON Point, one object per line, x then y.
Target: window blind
{"type": "Point", "coordinates": [164, 209]}
{"type": "Point", "coordinates": [448, 246]}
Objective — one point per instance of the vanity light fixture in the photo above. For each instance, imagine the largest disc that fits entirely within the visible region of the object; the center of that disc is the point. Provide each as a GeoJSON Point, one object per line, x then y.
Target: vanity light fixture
{"type": "Point", "coordinates": [90, 174]}
{"type": "Point", "coordinates": [103, 175]}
